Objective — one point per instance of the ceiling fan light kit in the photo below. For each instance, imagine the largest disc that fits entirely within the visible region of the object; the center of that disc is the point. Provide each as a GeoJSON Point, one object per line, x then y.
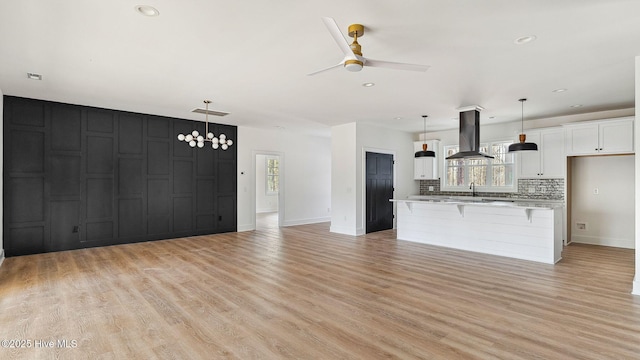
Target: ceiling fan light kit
{"type": "Point", "coordinates": [523, 145]}
{"type": "Point", "coordinates": [353, 65]}
{"type": "Point", "coordinates": [196, 139]}
{"type": "Point", "coordinates": [353, 59]}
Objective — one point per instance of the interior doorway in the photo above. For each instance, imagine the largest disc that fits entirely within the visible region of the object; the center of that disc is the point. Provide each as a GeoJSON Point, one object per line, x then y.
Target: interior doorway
{"type": "Point", "coordinates": [268, 190]}
{"type": "Point", "coordinates": [378, 192]}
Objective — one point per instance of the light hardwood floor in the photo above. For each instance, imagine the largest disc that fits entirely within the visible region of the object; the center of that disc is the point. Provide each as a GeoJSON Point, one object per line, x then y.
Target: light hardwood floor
{"type": "Point", "coordinates": [304, 293]}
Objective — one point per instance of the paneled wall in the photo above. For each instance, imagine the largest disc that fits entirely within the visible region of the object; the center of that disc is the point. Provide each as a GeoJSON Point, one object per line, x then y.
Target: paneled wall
{"type": "Point", "coordinates": [77, 176]}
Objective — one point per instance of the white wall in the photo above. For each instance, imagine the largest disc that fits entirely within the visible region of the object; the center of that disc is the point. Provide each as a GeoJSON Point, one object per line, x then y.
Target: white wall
{"type": "Point", "coordinates": [609, 216]}
{"type": "Point", "coordinates": [305, 178]}
{"type": "Point", "coordinates": [636, 280]}
{"type": "Point", "coordinates": [343, 179]}
{"type": "Point", "coordinates": [349, 144]}
{"type": "Point", "coordinates": [264, 202]}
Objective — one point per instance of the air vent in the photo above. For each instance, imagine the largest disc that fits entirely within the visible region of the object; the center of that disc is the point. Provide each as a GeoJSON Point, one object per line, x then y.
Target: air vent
{"type": "Point", "coordinates": [211, 112]}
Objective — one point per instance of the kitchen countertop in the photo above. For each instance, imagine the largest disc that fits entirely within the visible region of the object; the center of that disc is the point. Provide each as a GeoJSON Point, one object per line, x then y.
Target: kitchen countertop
{"type": "Point", "coordinates": [484, 201]}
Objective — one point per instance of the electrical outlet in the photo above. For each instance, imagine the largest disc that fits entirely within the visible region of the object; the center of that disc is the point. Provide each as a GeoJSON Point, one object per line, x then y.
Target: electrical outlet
{"type": "Point", "coordinates": [430, 188]}
{"type": "Point", "coordinates": [596, 191]}
{"type": "Point", "coordinates": [581, 226]}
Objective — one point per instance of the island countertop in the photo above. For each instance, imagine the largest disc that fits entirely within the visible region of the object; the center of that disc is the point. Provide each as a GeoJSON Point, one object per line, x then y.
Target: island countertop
{"type": "Point", "coordinates": [485, 201]}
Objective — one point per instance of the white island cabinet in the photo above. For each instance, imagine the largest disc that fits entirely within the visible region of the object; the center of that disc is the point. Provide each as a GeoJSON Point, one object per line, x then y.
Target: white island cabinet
{"type": "Point", "coordinates": [513, 229]}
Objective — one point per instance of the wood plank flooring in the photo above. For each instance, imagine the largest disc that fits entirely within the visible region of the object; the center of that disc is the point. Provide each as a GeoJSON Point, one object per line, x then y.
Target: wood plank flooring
{"type": "Point", "coordinates": [304, 293]}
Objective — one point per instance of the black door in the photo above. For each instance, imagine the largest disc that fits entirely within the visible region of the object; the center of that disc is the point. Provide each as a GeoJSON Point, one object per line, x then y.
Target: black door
{"type": "Point", "coordinates": [379, 189]}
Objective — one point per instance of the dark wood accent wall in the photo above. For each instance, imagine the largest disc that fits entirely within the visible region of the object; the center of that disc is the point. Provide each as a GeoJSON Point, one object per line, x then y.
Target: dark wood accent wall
{"type": "Point", "coordinates": [78, 176]}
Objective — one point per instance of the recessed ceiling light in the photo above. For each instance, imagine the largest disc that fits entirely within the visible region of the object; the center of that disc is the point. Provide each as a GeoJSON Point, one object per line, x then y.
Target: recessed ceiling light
{"type": "Point", "coordinates": [397, 118]}
{"type": "Point", "coordinates": [524, 39]}
{"type": "Point", "coordinates": [147, 10]}
{"type": "Point", "coordinates": [368, 84]}
{"type": "Point", "coordinates": [559, 90]}
{"type": "Point", "coordinates": [34, 76]}
{"type": "Point", "coordinates": [576, 106]}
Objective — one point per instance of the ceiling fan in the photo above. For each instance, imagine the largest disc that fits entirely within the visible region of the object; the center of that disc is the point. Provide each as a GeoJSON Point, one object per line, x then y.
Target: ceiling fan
{"type": "Point", "coordinates": [353, 59]}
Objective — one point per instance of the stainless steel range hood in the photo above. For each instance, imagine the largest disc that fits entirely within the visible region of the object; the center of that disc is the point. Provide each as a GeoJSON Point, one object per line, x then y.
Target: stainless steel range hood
{"type": "Point", "coordinates": [469, 132]}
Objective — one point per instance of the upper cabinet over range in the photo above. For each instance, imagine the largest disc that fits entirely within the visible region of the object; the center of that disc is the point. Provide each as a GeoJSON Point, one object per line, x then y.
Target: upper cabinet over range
{"type": "Point", "coordinates": [614, 136]}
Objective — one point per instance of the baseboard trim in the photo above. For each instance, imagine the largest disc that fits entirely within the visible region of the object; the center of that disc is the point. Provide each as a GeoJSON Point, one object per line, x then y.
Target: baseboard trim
{"type": "Point", "coordinates": [636, 286]}
{"type": "Point", "coordinates": [343, 230]}
{"type": "Point", "coordinates": [248, 227]}
{"type": "Point", "coordinates": [261, 211]}
{"type": "Point", "coordinates": [306, 221]}
{"type": "Point", "coordinates": [595, 240]}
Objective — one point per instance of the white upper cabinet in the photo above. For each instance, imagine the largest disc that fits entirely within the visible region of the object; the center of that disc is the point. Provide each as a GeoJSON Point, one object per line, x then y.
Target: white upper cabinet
{"type": "Point", "coordinates": [426, 168]}
{"type": "Point", "coordinates": [600, 137]}
{"type": "Point", "coordinates": [549, 161]}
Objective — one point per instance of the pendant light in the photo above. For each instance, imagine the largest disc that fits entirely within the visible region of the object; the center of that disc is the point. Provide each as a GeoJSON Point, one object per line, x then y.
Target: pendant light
{"type": "Point", "coordinates": [523, 145]}
{"type": "Point", "coordinates": [196, 139]}
{"type": "Point", "coordinates": [424, 152]}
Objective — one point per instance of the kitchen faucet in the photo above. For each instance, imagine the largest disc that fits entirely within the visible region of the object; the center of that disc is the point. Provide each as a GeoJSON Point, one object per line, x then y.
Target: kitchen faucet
{"type": "Point", "coordinates": [472, 186]}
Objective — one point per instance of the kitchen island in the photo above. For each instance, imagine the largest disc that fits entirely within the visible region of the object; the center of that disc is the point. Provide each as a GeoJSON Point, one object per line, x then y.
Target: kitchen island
{"type": "Point", "coordinates": [519, 229]}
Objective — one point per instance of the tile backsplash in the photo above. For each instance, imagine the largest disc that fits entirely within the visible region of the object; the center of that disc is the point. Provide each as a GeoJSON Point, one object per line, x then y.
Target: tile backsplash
{"type": "Point", "coordinates": [540, 189]}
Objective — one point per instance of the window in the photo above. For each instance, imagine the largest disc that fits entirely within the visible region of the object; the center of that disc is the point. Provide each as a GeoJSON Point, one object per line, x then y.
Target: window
{"type": "Point", "coordinates": [496, 174]}
{"type": "Point", "coordinates": [273, 174]}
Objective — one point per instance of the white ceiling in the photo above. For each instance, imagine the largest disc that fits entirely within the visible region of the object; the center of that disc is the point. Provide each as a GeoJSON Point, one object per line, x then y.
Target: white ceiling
{"type": "Point", "coordinates": [251, 58]}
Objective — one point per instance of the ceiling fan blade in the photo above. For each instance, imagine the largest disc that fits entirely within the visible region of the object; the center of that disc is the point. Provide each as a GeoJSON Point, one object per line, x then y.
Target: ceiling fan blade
{"type": "Point", "coordinates": [395, 65]}
{"type": "Point", "coordinates": [334, 30]}
{"type": "Point", "coordinates": [326, 69]}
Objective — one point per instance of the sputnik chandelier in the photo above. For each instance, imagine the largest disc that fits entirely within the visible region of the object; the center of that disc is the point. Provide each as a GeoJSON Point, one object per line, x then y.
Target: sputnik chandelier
{"type": "Point", "coordinates": [196, 139]}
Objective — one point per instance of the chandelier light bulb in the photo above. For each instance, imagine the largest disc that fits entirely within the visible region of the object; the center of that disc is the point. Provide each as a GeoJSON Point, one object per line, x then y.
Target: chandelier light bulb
{"type": "Point", "coordinates": [195, 138]}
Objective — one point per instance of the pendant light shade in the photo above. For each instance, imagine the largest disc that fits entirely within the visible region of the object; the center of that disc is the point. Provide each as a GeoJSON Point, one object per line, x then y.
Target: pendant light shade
{"type": "Point", "coordinates": [523, 145]}
{"type": "Point", "coordinates": [424, 152]}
